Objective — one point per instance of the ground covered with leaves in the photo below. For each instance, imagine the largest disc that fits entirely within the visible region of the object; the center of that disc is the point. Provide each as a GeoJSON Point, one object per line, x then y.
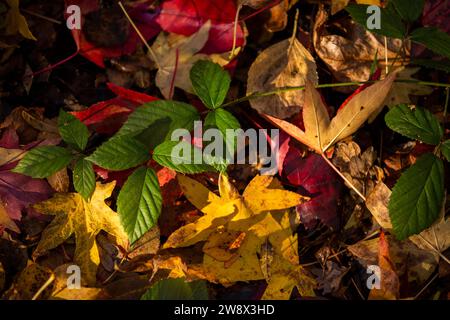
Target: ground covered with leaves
{"type": "Point", "coordinates": [93, 204]}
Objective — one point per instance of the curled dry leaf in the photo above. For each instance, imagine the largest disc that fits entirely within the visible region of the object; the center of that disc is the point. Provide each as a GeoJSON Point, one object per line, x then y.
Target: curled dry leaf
{"type": "Point", "coordinates": [349, 56]}
{"type": "Point", "coordinates": [285, 64]}
{"type": "Point", "coordinates": [359, 168]}
{"type": "Point", "coordinates": [321, 132]}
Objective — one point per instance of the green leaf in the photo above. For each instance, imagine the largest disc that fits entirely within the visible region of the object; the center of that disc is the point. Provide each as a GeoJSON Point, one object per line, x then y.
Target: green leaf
{"type": "Point", "coordinates": [139, 203]}
{"type": "Point", "coordinates": [210, 83]}
{"type": "Point", "coordinates": [181, 115]}
{"type": "Point", "coordinates": [42, 162]}
{"type": "Point", "coordinates": [84, 178]}
{"type": "Point", "coordinates": [419, 124]}
{"type": "Point", "coordinates": [73, 131]}
{"type": "Point", "coordinates": [181, 159]}
{"type": "Point", "coordinates": [434, 39]}
{"type": "Point", "coordinates": [223, 120]}
{"type": "Point", "coordinates": [120, 153]}
{"type": "Point", "coordinates": [445, 149]}
{"type": "Point", "coordinates": [417, 198]}
{"type": "Point", "coordinates": [391, 24]}
{"type": "Point", "coordinates": [177, 289]}
{"type": "Point", "coordinates": [409, 10]}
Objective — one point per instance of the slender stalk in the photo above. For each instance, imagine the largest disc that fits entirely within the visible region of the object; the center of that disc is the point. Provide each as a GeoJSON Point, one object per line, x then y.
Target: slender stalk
{"type": "Point", "coordinates": [328, 85]}
{"type": "Point", "coordinates": [139, 34]}
{"type": "Point", "coordinates": [343, 177]}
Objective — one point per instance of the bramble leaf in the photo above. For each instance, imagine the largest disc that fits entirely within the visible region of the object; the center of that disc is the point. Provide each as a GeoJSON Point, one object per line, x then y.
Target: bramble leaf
{"type": "Point", "coordinates": [419, 124]}
{"type": "Point", "coordinates": [417, 197]}
{"type": "Point", "coordinates": [73, 131]}
{"type": "Point", "coordinates": [177, 289]}
{"type": "Point", "coordinates": [210, 83]}
{"type": "Point", "coordinates": [84, 178]}
{"type": "Point", "coordinates": [120, 153]}
{"type": "Point", "coordinates": [139, 203]}
{"type": "Point", "coordinates": [42, 162]}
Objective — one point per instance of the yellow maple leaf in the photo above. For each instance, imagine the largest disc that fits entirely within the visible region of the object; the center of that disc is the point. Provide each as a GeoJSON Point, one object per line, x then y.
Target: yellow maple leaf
{"type": "Point", "coordinates": [235, 228]}
{"type": "Point", "coordinates": [74, 215]}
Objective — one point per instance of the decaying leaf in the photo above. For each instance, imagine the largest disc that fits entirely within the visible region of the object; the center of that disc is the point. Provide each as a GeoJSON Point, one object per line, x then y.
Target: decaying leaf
{"type": "Point", "coordinates": [16, 22]}
{"type": "Point", "coordinates": [349, 55]}
{"type": "Point", "coordinates": [338, 5]}
{"type": "Point", "coordinates": [59, 181]}
{"type": "Point", "coordinates": [389, 281]}
{"type": "Point", "coordinates": [321, 132]}
{"type": "Point", "coordinates": [358, 167]}
{"type": "Point", "coordinates": [10, 155]}
{"type": "Point", "coordinates": [408, 259]}
{"type": "Point", "coordinates": [377, 203]}
{"type": "Point", "coordinates": [73, 215]}
{"type": "Point", "coordinates": [402, 90]}
{"type": "Point", "coordinates": [35, 281]}
{"type": "Point", "coordinates": [6, 221]}
{"type": "Point", "coordinates": [436, 237]}
{"type": "Point", "coordinates": [285, 64]}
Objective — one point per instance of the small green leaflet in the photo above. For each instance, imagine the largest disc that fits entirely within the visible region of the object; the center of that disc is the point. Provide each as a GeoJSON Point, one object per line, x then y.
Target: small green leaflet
{"type": "Point", "coordinates": [445, 149]}
{"type": "Point", "coordinates": [180, 156]}
{"type": "Point", "coordinates": [223, 120]}
{"type": "Point", "coordinates": [391, 24]}
{"type": "Point", "coordinates": [177, 289]}
{"type": "Point", "coordinates": [72, 130]}
{"type": "Point", "coordinates": [417, 197]}
{"type": "Point", "coordinates": [210, 83]}
{"type": "Point", "coordinates": [419, 124]}
{"type": "Point", "coordinates": [139, 203]}
{"type": "Point", "coordinates": [84, 178]}
{"type": "Point", "coordinates": [42, 162]}
{"type": "Point", "coordinates": [120, 153]}
{"type": "Point", "coordinates": [409, 10]}
{"type": "Point", "coordinates": [434, 39]}
{"type": "Point", "coordinates": [181, 115]}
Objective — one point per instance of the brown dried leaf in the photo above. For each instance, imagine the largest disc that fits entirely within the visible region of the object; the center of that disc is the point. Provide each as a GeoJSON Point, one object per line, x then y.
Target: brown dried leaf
{"type": "Point", "coordinates": [377, 203]}
{"type": "Point", "coordinates": [59, 181]}
{"type": "Point", "coordinates": [281, 65]}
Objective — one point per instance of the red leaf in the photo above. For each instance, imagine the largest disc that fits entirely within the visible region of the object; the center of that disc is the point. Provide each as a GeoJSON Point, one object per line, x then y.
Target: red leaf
{"type": "Point", "coordinates": [187, 16]}
{"type": "Point", "coordinates": [108, 116]}
{"type": "Point", "coordinates": [315, 179]}
{"type": "Point", "coordinates": [144, 21]}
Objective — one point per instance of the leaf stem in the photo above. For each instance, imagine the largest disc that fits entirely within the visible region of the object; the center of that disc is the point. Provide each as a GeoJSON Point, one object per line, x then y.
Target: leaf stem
{"type": "Point", "coordinates": [255, 95]}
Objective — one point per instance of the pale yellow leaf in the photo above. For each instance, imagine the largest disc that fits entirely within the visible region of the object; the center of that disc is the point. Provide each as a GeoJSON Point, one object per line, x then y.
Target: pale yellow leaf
{"type": "Point", "coordinates": [74, 215]}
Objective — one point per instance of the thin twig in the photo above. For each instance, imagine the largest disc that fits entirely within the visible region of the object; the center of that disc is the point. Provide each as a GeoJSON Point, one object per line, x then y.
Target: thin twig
{"type": "Point", "coordinates": [343, 177]}
{"type": "Point", "coordinates": [31, 13]}
{"type": "Point", "coordinates": [236, 23]}
{"type": "Point", "coordinates": [44, 286]}
{"type": "Point", "coordinates": [426, 286]}
{"type": "Point", "coordinates": [139, 34]}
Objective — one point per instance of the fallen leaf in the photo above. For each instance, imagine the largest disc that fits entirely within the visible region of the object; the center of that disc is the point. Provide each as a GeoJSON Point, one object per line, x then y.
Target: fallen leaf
{"type": "Point", "coordinates": [59, 181]}
{"type": "Point", "coordinates": [175, 55]}
{"type": "Point", "coordinates": [408, 259]}
{"type": "Point", "coordinates": [284, 64]}
{"type": "Point", "coordinates": [389, 281]}
{"type": "Point", "coordinates": [16, 22]}
{"type": "Point", "coordinates": [235, 227]}
{"type": "Point", "coordinates": [377, 203]}
{"type": "Point", "coordinates": [321, 132]}
{"type": "Point", "coordinates": [401, 91]}
{"type": "Point", "coordinates": [6, 221]}
{"type": "Point", "coordinates": [73, 215]}
{"type": "Point", "coordinates": [144, 21]}
{"type": "Point", "coordinates": [186, 17]}
{"type": "Point", "coordinates": [349, 54]}
{"type": "Point", "coordinates": [338, 5]}
{"type": "Point", "coordinates": [107, 116]}
{"type": "Point", "coordinates": [315, 177]}
{"type": "Point", "coordinates": [29, 283]}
